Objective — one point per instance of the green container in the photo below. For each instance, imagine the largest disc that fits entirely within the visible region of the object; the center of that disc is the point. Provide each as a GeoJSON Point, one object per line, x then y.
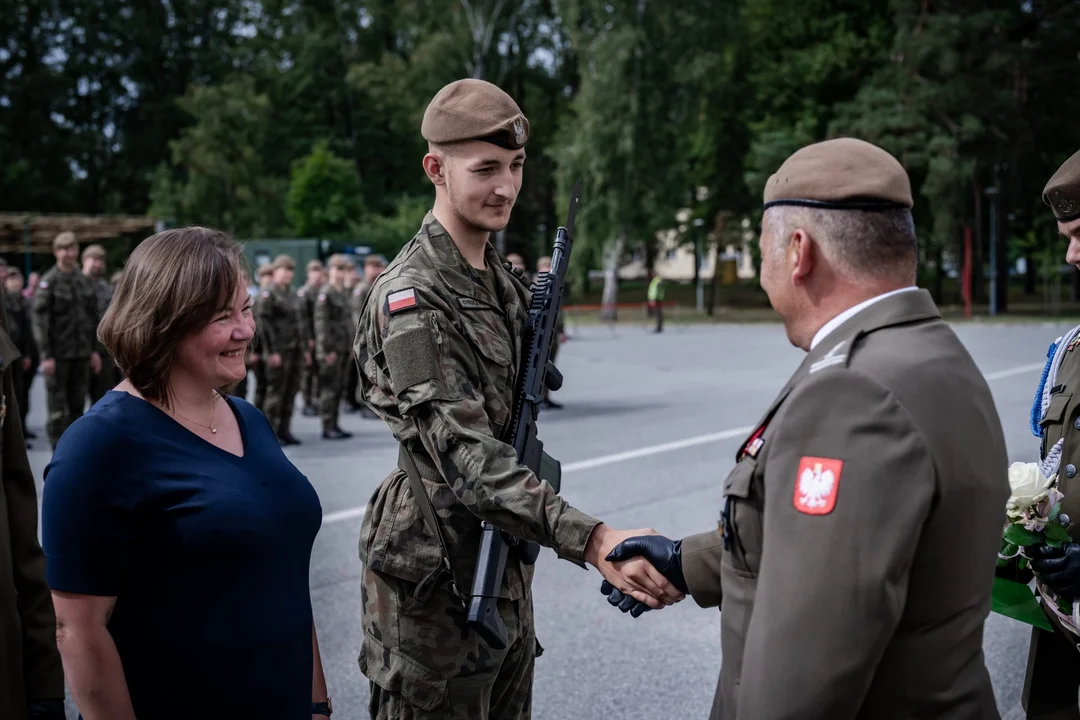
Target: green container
{"type": "Point", "coordinates": [301, 250]}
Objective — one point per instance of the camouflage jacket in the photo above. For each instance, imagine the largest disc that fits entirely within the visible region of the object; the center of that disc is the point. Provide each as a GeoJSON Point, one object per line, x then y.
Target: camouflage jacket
{"type": "Point", "coordinates": [103, 289]}
{"type": "Point", "coordinates": [17, 308]}
{"type": "Point", "coordinates": [281, 324]}
{"type": "Point", "coordinates": [65, 315]}
{"type": "Point", "coordinates": [306, 301]}
{"type": "Point", "coordinates": [357, 297]}
{"type": "Point", "coordinates": [333, 332]}
{"type": "Point", "coordinates": [438, 356]}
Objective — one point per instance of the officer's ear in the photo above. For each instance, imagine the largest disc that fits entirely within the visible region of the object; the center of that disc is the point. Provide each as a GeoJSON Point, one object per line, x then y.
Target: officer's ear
{"type": "Point", "coordinates": [802, 254]}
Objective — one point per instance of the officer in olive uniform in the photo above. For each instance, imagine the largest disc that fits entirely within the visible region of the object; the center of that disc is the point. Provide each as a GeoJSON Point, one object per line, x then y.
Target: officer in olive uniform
{"type": "Point", "coordinates": [308, 293]}
{"type": "Point", "coordinates": [1053, 671]}
{"type": "Point", "coordinates": [437, 347]}
{"type": "Point", "coordinates": [282, 347]}
{"type": "Point", "coordinates": [31, 675]}
{"type": "Point", "coordinates": [93, 266]}
{"type": "Point", "coordinates": [22, 334]}
{"type": "Point", "coordinates": [257, 363]}
{"type": "Point", "coordinates": [857, 544]}
{"type": "Point", "coordinates": [333, 345]}
{"type": "Point", "coordinates": [65, 321]}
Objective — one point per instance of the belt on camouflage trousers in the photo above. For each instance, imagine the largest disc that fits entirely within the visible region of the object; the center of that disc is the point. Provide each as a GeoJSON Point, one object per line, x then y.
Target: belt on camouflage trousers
{"type": "Point", "coordinates": [444, 572]}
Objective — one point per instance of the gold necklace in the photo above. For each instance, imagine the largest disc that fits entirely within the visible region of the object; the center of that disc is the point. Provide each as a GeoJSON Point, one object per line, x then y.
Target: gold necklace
{"type": "Point", "coordinates": [213, 414]}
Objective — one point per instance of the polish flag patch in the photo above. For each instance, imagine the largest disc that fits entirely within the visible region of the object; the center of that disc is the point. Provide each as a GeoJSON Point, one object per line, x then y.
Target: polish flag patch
{"type": "Point", "coordinates": [401, 300]}
{"type": "Point", "coordinates": [816, 484]}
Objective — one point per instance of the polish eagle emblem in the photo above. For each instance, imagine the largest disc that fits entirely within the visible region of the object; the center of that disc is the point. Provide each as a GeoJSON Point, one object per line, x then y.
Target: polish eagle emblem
{"type": "Point", "coordinates": [816, 484]}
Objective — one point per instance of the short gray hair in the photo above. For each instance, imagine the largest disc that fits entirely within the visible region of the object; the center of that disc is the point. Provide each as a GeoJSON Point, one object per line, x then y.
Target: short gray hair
{"type": "Point", "coordinates": [874, 244]}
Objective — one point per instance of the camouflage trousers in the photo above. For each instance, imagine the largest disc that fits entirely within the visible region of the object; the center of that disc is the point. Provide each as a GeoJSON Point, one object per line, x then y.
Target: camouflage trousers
{"type": "Point", "coordinates": [424, 663]}
{"type": "Point", "coordinates": [66, 392]}
{"type": "Point", "coordinates": [282, 384]}
{"type": "Point", "coordinates": [311, 383]}
{"type": "Point", "coordinates": [330, 382]}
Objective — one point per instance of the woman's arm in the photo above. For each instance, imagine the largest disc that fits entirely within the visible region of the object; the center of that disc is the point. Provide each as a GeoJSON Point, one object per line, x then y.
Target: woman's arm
{"type": "Point", "coordinates": [319, 693]}
{"type": "Point", "coordinates": [91, 663]}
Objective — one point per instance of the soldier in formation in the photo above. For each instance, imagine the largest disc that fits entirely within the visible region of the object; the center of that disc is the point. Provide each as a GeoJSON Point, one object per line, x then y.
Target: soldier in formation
{"type": "Point", "coordinates": [21, 332]}
{"type": "Point", "coordinates": [283, 347]}
{"type": "Point", "coordinates": [93, 267]}
{"type": "Point", "coordinates": [308, 293]}
{"type": "Point", "coordinates": [435, 346]}
{"type": "Point", "coordinates": [258, 363]}
{"type": "Point", "coordinates": [65, 318]}
{"type": "Point", "coordinates": [374, 265]}
{"type": "Point", "coordinates": [333, 345]}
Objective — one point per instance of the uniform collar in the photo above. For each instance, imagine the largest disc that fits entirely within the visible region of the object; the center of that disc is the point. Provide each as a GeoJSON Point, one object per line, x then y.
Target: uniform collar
{"type": "Point", "coordinates": [851, 312]}
{"type": "Point", "coordinates": [456, 272]}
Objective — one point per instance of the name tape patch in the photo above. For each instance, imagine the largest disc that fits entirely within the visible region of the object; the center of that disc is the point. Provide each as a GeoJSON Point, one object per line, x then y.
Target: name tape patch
{"type": "Point", "coordinates": [472, 304]}
{"type": "Point", "coordinates": [401, 300]}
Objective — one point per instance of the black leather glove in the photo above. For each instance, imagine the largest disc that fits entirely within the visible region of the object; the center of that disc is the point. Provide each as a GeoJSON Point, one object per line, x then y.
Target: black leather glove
{"type": "Point", "coordinates": [1058, 568]}
{"type": "Point", "coordinates": [626, 603]}
{"type": "Point", "coordinates": [663, 553]}
{"type": "Point", "coordinates": [46, 710]}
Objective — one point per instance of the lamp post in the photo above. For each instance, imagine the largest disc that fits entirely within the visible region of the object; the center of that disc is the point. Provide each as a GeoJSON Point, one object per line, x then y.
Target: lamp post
{"type": "Point", "coordinates": [992, 193]}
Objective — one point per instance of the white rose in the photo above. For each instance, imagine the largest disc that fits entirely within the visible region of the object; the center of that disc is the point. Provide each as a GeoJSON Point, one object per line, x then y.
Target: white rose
{"type": "Point", "coordinates": [1027, 483]}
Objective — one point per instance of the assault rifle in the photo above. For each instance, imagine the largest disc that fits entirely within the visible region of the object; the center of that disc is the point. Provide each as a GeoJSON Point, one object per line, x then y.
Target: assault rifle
{"type": "Point", "coordinates": [536, 371]}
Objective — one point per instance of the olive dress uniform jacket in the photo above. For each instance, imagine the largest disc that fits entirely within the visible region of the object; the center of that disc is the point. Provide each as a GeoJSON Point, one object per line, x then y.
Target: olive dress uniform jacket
{"type": "Point", "coordinates": [857, 546]}
{"type": "Point", "coordinates": [30, 667]}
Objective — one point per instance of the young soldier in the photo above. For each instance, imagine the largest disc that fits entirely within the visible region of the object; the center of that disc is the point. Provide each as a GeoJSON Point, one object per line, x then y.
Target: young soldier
{"type": "Point", "coordinates": [438, 344]}
{"type": "Point", "coordinates": [308, 293]}
{"type": "Point", "coordinates": [282, 347]}
{"type": "Point", "coordinates": [333, 346]}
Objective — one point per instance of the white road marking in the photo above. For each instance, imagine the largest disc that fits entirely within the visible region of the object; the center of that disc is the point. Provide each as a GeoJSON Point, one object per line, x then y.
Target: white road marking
{"type": "Point", "coordinates": [358, 512]}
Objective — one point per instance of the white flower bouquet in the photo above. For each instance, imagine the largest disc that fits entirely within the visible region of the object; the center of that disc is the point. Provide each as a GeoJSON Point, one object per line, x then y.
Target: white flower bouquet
{"type": "Point", "coordinates": [1033, 511]}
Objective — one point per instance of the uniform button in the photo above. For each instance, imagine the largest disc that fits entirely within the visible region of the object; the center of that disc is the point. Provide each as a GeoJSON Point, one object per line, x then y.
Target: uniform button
{"type": "Point", "coordinates": [1076, 422]}
{"type": "Point", "coordinates": [1064, 520]}
{"type": "Point", "coordinates": [1070, 470]}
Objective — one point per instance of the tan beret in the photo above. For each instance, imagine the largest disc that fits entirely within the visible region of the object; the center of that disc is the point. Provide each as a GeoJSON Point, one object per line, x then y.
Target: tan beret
{"type": "Point", "coordinates": [474, 110]}
{"type": "Point", "coordinates": [265, 269]}
{"type": "Point", "coordinates": [840, 174]}
{"type": "Point", "coordinates": [64, 240]}
{"type": "Point", "coordinates": [375, 261]}
{"type": "Point", "coordinates": [339, 261]}
{"type": "Point", "coordinates": [1062, 193]}
{"type": "Point", "coordinates": [314, 265]}
{"type": "Point", "coordinates": [93, 251]}
{"type": "Point", "coordinates": [283, 261]}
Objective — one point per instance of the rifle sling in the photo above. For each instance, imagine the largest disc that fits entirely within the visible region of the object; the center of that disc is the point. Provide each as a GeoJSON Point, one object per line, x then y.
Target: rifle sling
{"type": "Point", "coordinates": [428, 584]}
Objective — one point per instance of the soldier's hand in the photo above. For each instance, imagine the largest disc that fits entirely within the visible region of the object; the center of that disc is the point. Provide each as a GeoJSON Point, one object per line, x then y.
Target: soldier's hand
{"type": "Point", "coordinates": [634, 577]}
{"type": "Point", "coordinates": [48, 366]}
{"type": "Point", "coordinates": [26, 363]}
{"type": "Point", "coordinates": [95, 363]}
{"type": "Point", "coordinates": [307, 359]}
{"type": "Point", "coordinates": [254, 359]}
{"type": "Point", "coordinates": [274, 360]}
{"type": "Point", "coordinates": [1058, 568]}
{"type": "Point", "coordinates": [330, 358]}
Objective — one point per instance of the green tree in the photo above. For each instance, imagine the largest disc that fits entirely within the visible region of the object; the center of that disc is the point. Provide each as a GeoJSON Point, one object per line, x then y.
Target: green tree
{"type": "Point", "coordinates": [324, 194]}
{"type": "Point", "coordinates": [216, 176]}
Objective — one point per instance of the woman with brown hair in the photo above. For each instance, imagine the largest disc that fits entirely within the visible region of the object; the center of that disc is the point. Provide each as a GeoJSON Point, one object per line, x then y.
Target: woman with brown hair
{"type": "Point", "coordinates": [177, 533]}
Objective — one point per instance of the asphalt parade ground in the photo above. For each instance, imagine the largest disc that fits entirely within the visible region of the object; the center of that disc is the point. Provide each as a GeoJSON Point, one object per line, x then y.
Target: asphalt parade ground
{"type": "Point", "coordinates": [649, 430]}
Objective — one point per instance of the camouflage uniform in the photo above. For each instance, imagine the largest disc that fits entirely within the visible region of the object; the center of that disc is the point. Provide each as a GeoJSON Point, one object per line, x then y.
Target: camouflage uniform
{"type": "Point", "coordinates": [310, 374]}
{"type": "Point", "coordinates": [437, 354]}
{"type": "Point", "coordinates": [281, 332]}
{"type": "Point", "coordinates": [332, 335]}
{"type": "Point", "coordinates": [21, 333]}
{"type": "Point", "coordinates": [109, 376]}
{"type": "Point", "coordinates": [65, 323]}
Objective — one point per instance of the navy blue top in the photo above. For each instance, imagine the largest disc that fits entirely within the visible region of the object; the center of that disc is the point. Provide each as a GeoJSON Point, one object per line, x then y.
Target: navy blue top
{"type": "Point", "coordinates": [207, 554]}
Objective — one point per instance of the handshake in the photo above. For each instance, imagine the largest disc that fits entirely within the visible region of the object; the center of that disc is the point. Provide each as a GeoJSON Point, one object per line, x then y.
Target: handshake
{"type": "Point", "coordinates": [642, 570]}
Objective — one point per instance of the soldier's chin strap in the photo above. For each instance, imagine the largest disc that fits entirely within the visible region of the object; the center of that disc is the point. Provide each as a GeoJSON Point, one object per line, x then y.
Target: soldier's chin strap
{"type": "Point", "coordinates": [435, 577]}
